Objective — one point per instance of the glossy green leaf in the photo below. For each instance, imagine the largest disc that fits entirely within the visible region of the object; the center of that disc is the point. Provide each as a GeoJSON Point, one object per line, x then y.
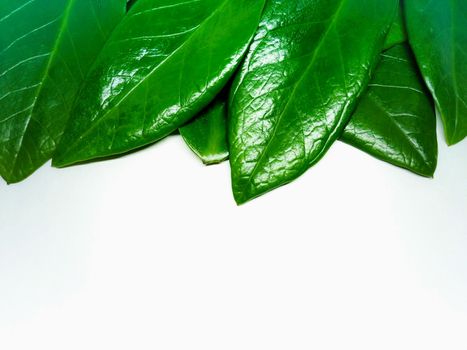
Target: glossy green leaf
{"type": "Point", "coordinates": [397, 34]}
{"type": "Point", "coordinates": [46, 49]}
{"type": "Point", "coordinates": [164, 63]}
{"type": "Point", "coordinates": [308, 65]}
{"type": "Point", "coordinates": [207, 134]}
{"type": "Point", "coordinates": [395, 120]}
{"type": "Point", "coordinates": [438, 36]}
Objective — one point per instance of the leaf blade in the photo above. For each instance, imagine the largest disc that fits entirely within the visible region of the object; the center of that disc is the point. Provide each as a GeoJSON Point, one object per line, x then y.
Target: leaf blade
{"type": "Point", "coordinates": [395, 120]}
{"type": "Point", "coordinates": [39, 45]}
{"type": "Point", "coordinates": [121, 120]}
{"type": "Point", "coordinates": [279, 128]}
{"type": "Point", "coordinates": [207, 134]}
{"type": "Point", "coordinates": [440, 46]}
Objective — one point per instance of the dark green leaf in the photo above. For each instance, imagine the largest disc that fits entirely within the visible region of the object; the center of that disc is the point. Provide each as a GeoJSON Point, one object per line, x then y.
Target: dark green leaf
{"type": "Point", "coordinates": [46, 49]}
{"type": "Point", "coordinates": [163, 64]}
{"type": "Point", "coordinates": [207, 134]}
{"type": "Point", "coordinates": [308, 65]}
{"type": "Point", "coordinates": [438, 36]}
{"type": "Point", "coordinates": [395, 120]}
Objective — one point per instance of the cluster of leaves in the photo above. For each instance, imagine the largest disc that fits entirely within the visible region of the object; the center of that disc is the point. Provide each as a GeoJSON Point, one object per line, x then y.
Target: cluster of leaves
{"type": "Point", "coordinates": [270, 84]}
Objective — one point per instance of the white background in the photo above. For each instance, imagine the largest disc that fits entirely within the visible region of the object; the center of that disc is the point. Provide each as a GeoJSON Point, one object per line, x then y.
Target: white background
{"type": "Point", "coordinates": [150, 252]}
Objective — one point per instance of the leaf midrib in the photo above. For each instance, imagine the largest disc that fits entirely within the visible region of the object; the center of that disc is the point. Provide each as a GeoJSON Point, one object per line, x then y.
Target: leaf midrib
{"type": "Point", "coordinates": [294, 91]}
{"type": "Point", "coordinates": [66, 16]}
{"type": "Point", "coordinates": [390, 117]}
{"type": "Point", "coordinates": [137, 85]}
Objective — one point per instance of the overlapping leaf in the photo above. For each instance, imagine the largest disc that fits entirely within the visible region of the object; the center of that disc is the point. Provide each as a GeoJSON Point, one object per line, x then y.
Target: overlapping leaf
{"type": "Point", "coordinates": [398, 33]}
{"type": "Point", "coordinates": [438, 36]}
{"type": "Point", "coordinates": [163, 64]}
{"type": "Point", "coordinates": [395, 119]}
{"type": "Point", "coordinates": [207, 134]}
{"type": "Point", "coordinates": [307, 67]}
{"type": "Point", "coordinates": [314, 73]}
{"type": "Point", "coordinates": [46, 49]}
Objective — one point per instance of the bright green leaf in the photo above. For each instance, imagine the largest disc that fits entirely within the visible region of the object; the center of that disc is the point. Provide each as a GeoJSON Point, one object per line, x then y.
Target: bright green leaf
{"type": "Point", "coordinates": [438, 36]}
{"type": "Point", "coordinates": [46, 50]}
{"type": "Point", "coordinates": [395, 120]}
{"type": "Point", "coordinates": [309, 63]}
{"type": "Point", "coordinates": [163, 64]}
{"type": "Point", "coordinates": [207, 134]}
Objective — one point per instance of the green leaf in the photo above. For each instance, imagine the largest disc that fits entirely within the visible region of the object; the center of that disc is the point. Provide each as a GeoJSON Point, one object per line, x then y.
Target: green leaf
{"type": "Point", "coordinates": [164, 63]}
{"type": "Point", "coordinates": [395, 120]}
{"type": "Point", "coordinates": [438, 36]}
{"type": "Point", "coordinates": [207, 134]}
{"type": "Point", "coordinates": [46, 49]}
{"type": "Point", "coordinates": [308, 65]}
{"type": "Point", "coordinates": [397, 34]}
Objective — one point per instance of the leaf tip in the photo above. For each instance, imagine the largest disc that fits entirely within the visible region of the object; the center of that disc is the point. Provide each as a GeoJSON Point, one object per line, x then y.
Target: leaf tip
{"type": "Point", "coordinates": [453, 140]}
{"type": "Point", "coordinates": [243, 196]}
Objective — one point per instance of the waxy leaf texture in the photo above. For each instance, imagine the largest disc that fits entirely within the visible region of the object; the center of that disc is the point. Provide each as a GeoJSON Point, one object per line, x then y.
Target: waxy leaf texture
{"type": "Point", "coordinates": [270, 84]}
{"type": "Point", "coordinates": [164, 63]}
{"type": "Point", "coordinates": [309, 63]}
{"type": "Point", "coordinates": [46, 49]}
{"type": "Point", "coordinates": [395, 120]}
